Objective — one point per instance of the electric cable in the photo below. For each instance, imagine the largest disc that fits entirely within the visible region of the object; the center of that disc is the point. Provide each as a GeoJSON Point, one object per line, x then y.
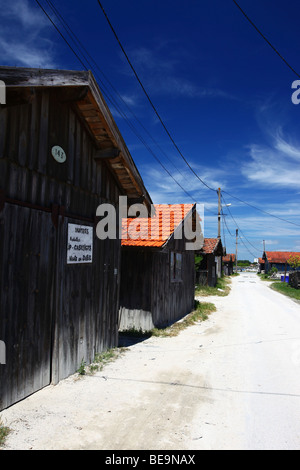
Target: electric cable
{"type": "Point", "coordinates": [149, 99]}
{"type": "Point", "coordinates": [79, 43]}
{"type": "Point", "coordinates": [124, 116]}
{"type": "Point", "coordinates": [261, 210]}
{"type": "Point", "coordinates": [267, 41]}
{"type": "Point", "coordinates": [240, 230]}
{"type": "Point", "coordinates": [164, 126]}
{"type": "Point", "coordinates": [108, 97]}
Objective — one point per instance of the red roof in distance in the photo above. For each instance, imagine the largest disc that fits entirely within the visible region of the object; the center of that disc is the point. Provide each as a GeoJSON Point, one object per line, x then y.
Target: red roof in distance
{"type": "Point", "coordinates": [229, 257]}
{"type": "Point", "coordinates": [280, 256]}
{"type": "Point", "coordinates": [210, 245]}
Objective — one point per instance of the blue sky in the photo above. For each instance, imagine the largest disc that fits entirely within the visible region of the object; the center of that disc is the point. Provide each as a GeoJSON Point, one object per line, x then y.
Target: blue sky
{"type": "Point", "coordinates": [221, 91]}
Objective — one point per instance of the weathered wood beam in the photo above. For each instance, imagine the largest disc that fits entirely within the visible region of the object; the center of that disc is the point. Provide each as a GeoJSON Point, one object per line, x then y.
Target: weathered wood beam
{"type": "Point", "coordinates": [74, 93]}
{"type": "Point", "coordinates": [137, 200]}
{"type": "Point", "coordinates": [16, 96]}
{"type": "Point", "coordinates": [106, 154]}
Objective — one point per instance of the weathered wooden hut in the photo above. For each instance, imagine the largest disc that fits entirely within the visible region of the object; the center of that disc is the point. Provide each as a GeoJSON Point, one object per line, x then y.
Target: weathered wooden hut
{"type": "Point", "coordinates": [206, 274]}
{"type": "Point", "coordinates": [278, 260]}
{"type": "Point", "coordinates": [61, 156]}
{"type": "Point", "coordinates": [228, 264]}
{"type": "Point", "coordinates": [261, 265]}
{"type": "Point", "coordinates": [157, 268]}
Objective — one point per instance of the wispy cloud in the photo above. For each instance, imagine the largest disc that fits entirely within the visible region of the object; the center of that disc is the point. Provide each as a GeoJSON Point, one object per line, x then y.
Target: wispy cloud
{"type": "Point", "coordinates": [277, 164]}
{"type": "Point", "coordinates": [24, 39]}
{"type": "Point", "coordinates": [162, 75]}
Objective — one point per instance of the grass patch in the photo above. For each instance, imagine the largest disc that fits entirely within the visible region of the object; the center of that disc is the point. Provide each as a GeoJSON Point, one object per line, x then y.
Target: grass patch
{"type": "Point", "coordinates": [201, 313]}
{"type": "Point", "coordinates": [4, 432]}
{"type": "Point", "coordinates": [286, 289]}
{"type": "Point", "coordinates": [222, 288]}
{"type": "Point", "coordinates": [267, 277]}
{"type": "Point", "coordinates": [100, 360]}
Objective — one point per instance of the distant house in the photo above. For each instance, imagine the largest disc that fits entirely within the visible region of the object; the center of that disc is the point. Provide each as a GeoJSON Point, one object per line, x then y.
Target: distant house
{"type": "Point", "coordinates": [207, 271]}
{"type": "Point", "coordinates": [61, 156]}
{"type": "Point", "coordinates": [261, 265]}
{"type": "Point", "coordinates": [228, 264]}
{"type": "Point", "coordinates": [278, 259]}
{"type": "Point", "coordinates": [157, 270]}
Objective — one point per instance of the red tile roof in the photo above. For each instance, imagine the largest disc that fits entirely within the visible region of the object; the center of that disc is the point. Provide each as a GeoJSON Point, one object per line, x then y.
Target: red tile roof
{"type": "Point", "coordinates": [280, 256]}
{"type": "Point", "coordinates": [210, 245]}
{"type": "Point", "coordinates": [154, 231]}
{"type": "Point", "coordinates": [229, 257]}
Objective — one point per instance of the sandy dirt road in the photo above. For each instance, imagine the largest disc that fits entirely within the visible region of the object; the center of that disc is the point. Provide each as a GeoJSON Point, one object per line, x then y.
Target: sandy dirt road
{"type": "Point", "coordinates": [231, 382]}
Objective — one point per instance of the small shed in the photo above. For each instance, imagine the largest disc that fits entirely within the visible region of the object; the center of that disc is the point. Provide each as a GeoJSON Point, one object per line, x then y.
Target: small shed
{"type": "Point", "coordinates": [61, 156]}
{"type": "Point", "coordinates": [157, 268]}
{"type": "Point", "coordinates": [261, 265]}
{"type": "Point", "coordinates": [228, 263]}
{"type": "Point", "coordinates": [206, 274]}
{"type": "Point", "coordinates": [278, 260]}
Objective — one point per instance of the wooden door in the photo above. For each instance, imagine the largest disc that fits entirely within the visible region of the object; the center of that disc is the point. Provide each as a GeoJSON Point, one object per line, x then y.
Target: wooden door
{"type": "Point", "coordinates": [27, 256]}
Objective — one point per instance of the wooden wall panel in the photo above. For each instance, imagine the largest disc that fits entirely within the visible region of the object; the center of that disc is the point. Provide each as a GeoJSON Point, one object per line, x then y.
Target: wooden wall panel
{"type": "Point", "coordinates": [52, 315]}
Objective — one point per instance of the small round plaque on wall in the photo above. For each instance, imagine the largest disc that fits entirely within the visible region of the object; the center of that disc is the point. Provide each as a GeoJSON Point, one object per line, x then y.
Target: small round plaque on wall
{"type": "Point", "coordinates": [58, 154]}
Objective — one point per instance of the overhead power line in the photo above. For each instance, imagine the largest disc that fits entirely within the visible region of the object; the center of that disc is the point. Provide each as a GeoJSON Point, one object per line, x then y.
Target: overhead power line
{"type": "Point", "coordinates": [75, 39]}
{"type": "Point", "coordinates": [164, 126]}
{"type": "Point", "coordinates": [86, 54]}
{"type": "Point", "coordinates": [88, 59]}
{"type": "Point", "coordinates": [261, 210]}
{"type": "Point", "coordinates": [149, 99]}
{"type": "Point", "coordinates": [240, 230]}
{"type": "Point", "coordinates": [265, 39]}
{"type": "Point", "coordinates": [62, 36]}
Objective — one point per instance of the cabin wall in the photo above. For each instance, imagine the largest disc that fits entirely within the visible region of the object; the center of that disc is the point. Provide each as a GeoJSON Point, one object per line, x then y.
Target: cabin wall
{"type": "Point", "coordinates": [53, 315]}
{"type": "Point", "coordinates": [136, 289]}
{"type": "Point", "coordinates": [172, 299]}
{"type": "Point", "coordinates": [148, 296]}
{"type": "Point", "coordinates": [207, 272]}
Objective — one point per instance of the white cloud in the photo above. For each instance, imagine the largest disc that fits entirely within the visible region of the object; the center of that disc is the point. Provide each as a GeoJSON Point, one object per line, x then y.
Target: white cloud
{"type": "Point", "coordinates": [19, 10]}
{"type": "Point", "coordinates": [24, 36]}
{"type": "Point", "coordinates": [276, 165]}
{"type": "Point", "coordinates": [25, 55]}
{"type": "Point", "coordinates": [163, 75]}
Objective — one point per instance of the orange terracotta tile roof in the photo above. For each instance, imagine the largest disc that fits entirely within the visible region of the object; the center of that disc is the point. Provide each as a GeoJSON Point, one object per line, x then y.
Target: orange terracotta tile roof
{"type": "Point", "coordinates": [154, 231]}
{"type": "Point", "coordinates": [210, 244]}
{"type": "Point", "coordinates": [229, 257]}
{"type": "Point", "coordinates": [261, 261]}
{"type": "Point", "coordinates": [280, 256]}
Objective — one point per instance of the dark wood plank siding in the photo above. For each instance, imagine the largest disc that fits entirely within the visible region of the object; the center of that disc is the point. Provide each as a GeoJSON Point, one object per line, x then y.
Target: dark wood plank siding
{"type": "Point", "coordinates": [26, 301]}
{"type": "Point", "coordinates": [146, 285]}
{"type": "Point", "coordinates": [136, 269]}
{"type": "Point", "coordinates": [75, 311]}
{"type": "Point", "coordinates": [172, 299]}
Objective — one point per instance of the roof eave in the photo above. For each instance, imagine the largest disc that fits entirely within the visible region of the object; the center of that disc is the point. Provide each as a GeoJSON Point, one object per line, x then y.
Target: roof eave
{"type": "Point", "coordinates": [98, 117]}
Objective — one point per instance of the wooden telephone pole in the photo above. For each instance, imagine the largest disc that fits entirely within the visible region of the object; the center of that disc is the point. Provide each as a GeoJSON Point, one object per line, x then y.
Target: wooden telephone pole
{"type": "Point", "coordinates": [219, 213]}
{"type": "Point", "coordinates": [236, 248]}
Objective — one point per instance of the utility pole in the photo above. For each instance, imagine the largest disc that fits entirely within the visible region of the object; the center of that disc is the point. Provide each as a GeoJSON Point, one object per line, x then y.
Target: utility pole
{"type": "Point", "coordinates": [236, 249]}
{"type": "Point", "coordinates": [219, 259]}
{"type": "Point", "coordinates": [219, 213]}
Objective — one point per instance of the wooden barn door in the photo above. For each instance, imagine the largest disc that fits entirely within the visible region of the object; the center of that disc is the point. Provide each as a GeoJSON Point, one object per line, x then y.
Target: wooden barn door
{"type": "Point", "coordinates": [27, 254]}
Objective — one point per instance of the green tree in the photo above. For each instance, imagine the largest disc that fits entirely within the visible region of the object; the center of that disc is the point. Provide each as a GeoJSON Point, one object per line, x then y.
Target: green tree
{"type": "Point", "coordinates": [294, 261]}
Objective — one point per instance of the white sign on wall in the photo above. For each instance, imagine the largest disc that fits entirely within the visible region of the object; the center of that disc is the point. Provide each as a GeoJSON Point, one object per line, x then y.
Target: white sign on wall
{"type": "Point", "coordinates": [80, 244]}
